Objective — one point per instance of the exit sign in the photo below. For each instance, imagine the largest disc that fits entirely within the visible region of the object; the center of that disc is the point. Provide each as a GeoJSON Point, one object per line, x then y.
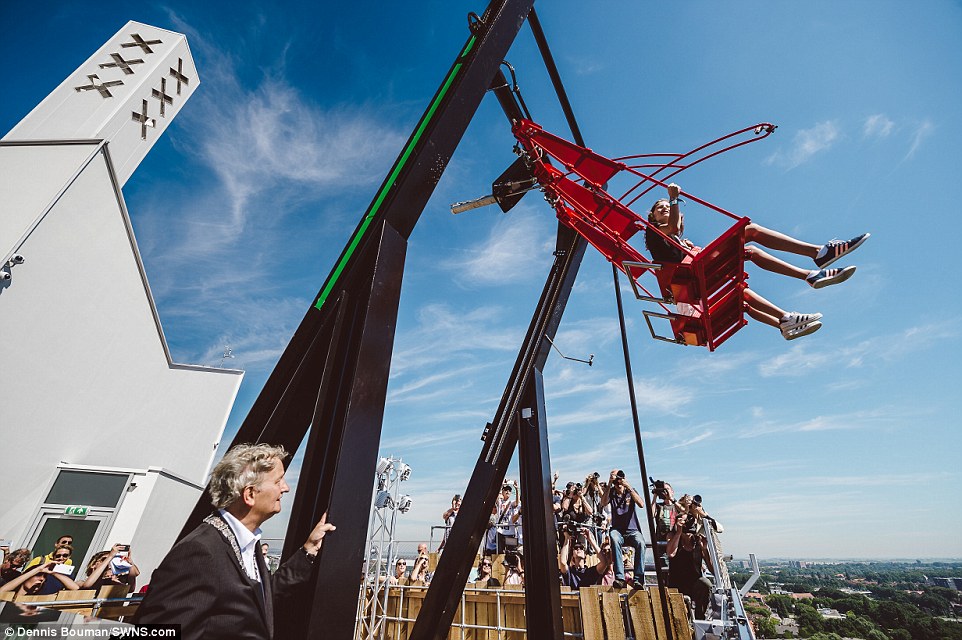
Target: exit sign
{"type": "Point", "coordinates": [75, 511]}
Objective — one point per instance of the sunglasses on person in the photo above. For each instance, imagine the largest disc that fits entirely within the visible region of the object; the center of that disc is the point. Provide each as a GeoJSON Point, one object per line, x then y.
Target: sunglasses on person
{"type": "Point", "coordinates": [61, 556]}
{"type": "Point", "coordinates": [485, 564]}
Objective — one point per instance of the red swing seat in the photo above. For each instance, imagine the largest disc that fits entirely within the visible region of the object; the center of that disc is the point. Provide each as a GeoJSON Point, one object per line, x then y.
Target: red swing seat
{"type": "Point", "coordinates": [709, 284]}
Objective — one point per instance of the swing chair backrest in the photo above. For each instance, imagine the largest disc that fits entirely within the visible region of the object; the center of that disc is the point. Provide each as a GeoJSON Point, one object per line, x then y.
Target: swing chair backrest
{"type": "Point", "coordinates": [711, 283]}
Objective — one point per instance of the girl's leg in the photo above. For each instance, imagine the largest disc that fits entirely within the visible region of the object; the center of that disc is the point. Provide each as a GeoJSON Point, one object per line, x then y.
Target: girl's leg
{"type": "Point", "coordinates": [768, 262]}
{"type": "Point", "coordinates": [792, 325]}
{"type": "Point", "coordinates": [762, 310]}
{"type": "Point", "coordinates": [779, 241]}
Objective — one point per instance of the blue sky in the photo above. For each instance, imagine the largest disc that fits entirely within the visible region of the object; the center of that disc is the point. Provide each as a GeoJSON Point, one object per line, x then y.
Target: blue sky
{"type": "Point", "coordinates": [840, 444]}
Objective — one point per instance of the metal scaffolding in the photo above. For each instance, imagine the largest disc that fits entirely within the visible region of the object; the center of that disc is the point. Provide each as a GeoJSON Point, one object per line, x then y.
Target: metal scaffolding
{"type": "Point", "coordinates": [381, 551]}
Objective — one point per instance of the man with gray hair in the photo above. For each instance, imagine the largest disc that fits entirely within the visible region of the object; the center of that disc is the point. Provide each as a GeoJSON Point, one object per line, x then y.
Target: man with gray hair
{"type": "Point", "coordinates": [215, 582]}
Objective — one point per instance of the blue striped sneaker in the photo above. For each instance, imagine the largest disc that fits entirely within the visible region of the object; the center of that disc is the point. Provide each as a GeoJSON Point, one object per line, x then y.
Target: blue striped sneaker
{"type": "Point", "coordinates": [827, 277]}
{"type": "Point", "coordinates": [835, 249]}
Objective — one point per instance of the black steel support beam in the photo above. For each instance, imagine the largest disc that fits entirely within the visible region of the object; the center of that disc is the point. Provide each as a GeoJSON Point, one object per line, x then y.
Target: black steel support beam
{"type": "Point", "coordinates": [399, 201]}
{"type": "Point", "coordinates": [542, 603]}
{"type": "Point", "coordinates": [501, 437]}
{"type": "Point", "coordinates": [332, 377]}
{"type": "Point", "coordinates": [340, 458]}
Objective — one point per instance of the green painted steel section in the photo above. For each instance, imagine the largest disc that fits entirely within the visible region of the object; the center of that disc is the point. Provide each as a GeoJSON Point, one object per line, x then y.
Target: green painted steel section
{"type": "Point", "coordinates": [398, 167]}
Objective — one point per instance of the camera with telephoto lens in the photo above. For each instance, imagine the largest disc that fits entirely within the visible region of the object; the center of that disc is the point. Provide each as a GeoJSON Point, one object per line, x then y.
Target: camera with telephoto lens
{"type": "Point", "coordinates": [658, 488]}
{"type": "Point", "coordinates": [691, 524]}
{"type": "Point", "coordinates": [598, 519]}
{"type": "Point", "coordinates": [570, 525]}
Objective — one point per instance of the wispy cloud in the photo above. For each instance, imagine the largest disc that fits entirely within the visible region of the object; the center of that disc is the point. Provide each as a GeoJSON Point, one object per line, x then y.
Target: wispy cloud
{"type": "Point", "coordinates": [444, 330]}
{"type": "Point", "coordinates": [837, 422]}
{"type": "Point", "coordinates": [877, 126]}
{"type": "Point", "coordinates": [262, 155]}
{"type": "Point", "coordinates": [806, 144]}
{"type": "Point", "coordinates": [595, 402]}
{"type": "Point", "coordinates": [693, 440]}
{"type": "Point", "coordinates": [516, 249]}
{"type": "Point", "coordinates": [801, 360]}
{"type": "Point", "coordinates": [921, 133]}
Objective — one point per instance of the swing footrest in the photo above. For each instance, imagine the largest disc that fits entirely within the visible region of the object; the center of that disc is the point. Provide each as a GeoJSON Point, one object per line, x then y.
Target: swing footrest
{"type": "Point", "coordinates": [687, 330]}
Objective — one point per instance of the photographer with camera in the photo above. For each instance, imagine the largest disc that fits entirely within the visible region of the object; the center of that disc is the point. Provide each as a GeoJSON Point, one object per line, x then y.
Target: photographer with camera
{"type": "Point", "coordinates": [513, 569]}
{"type": "Point", "coordinates": [572, 562]}
{"type": "Point", "coordinates": [687, 550]}
{"type": "Point", "coordinates": [625, 527]}
{"type": "Point", "coordinates": [593, 491]}
{"type": "Point", "coordinates": [419, 571]}
{"type": "Point", "coordinates": [448, 517]}
{"type": "Point", "coordinates": [574, 507]}
{"type": "Point", "coordinates": [500, 526]}
{"type": "Point", "coordinates": [665, 512]}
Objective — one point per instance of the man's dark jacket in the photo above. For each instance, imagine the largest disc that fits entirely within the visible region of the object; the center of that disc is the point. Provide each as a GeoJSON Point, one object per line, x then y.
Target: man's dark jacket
{"type": "Point", "coordinates": [202, 586]}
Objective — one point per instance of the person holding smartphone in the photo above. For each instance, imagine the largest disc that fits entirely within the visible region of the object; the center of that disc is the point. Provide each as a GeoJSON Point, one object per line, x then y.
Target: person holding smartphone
{"type": "Point", "coordinates": [62, 566]}
{"type": "Point", "coordinates": [109, 568]}
{"type": "Point", "coordinates": [43, 579]}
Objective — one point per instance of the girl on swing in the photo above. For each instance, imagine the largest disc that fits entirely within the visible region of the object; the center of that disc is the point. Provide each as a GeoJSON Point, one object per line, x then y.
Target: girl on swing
{"type": "Point", "coordinates": [666, 215]}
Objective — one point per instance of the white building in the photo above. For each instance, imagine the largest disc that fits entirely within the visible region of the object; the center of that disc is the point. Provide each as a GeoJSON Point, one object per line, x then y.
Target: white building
{"type": "Point", "coordinates": [104, 436]}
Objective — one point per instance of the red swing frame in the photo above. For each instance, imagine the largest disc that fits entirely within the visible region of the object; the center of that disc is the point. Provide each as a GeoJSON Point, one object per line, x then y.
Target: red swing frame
{"type": "Point", "coordinates": [710, 282]}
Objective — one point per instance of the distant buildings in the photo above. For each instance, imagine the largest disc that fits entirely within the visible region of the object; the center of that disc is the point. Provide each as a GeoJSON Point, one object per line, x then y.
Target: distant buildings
{"type": "Point", "coordinates": [948, 583]}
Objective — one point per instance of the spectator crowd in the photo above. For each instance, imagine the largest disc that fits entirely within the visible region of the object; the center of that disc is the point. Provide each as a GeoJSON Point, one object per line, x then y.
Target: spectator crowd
{"type": "Point", "coordinates": [600, 524]}
{"type": "Point", "coordinates": [25, 572]}
{"type": "Point", "coordinates": [600, 538]}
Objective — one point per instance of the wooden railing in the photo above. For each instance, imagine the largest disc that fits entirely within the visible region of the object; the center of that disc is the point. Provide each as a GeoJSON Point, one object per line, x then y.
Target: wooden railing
{"type": "Point", "coordinates": [593, 613]}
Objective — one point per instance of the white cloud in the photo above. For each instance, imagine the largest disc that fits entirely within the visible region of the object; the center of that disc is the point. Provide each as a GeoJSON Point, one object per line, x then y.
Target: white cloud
{"type": "Point", "coordinates": [805, 144]}
{"type": "Point", "coordinates": [606, 401]}
{"type": "Point", "coordinates": [877, 126]}
{"type": "Point", "coordinates": [837, 422]}
{"type": "Point", "coordinates": [516, 250]}
{"type": "Point", "coordinates": [444, 331]}
{"type": "Point", "coordinates": [262, 154]}
{"type": "Point", "coordinates": [693, 440]}
{"type": "Point", "coordinates": [922, 131]}
{"type": "Point", "coordinates": [801, 359]}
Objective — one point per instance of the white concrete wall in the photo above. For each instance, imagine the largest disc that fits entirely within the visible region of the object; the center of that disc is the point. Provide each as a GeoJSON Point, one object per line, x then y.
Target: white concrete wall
{"type": "Point", "coordinates": [87, 377]}
{"type": "Point", "coordinates": [151, 517]}
{"type": "Point", "coordinates": [163, 517]}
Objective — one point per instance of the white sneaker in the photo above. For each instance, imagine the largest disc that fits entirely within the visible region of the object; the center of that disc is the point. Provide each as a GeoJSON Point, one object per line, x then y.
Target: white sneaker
{"type": "Point", "coordinates": [804, 330]}
{"type": "Point", "coordinates": [793, 320]}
